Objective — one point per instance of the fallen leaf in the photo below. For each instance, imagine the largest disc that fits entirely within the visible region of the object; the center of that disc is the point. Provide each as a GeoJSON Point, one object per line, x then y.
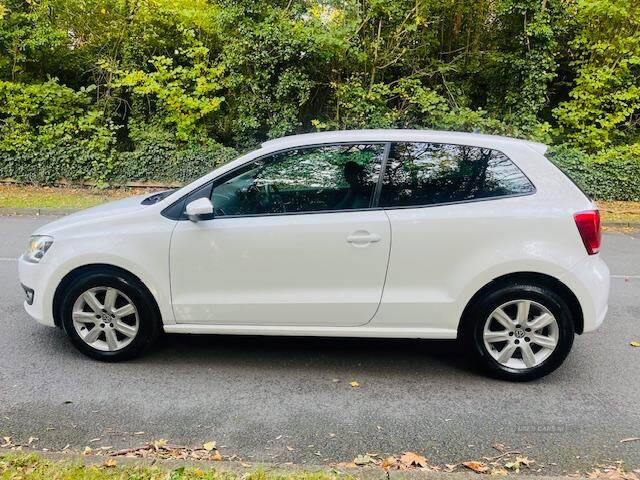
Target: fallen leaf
{"type": "Point", "coordinates": [216, 457]}
{"type": "Point", "coordinates": [635, 344]}
{"type": "Point", "coordinates": [245, 465]}
{"type": "Point", "coordinates": [411, 459]}
{"type": "Point", "coordinates": [291, 449]}
{"type": "Point", "coordinates": [354, 384]}
{"type": "Point", "coordinates": [110, 462]}
{"type": "Point", "coordinates": [32, 439]}
{"type": "Point", "coordinates": [389, 462]}
{"type": "Point", "coordinates": [517, 463]}
{"type": "Point", "coordinates": [477, 467]}
{"type": "Point", "coordinates": [157, 444]}
{"type": "Point", "coordinates": [498, 471]}
{"type": "Point", "coordinates": [630, 439]}
{"type": "Point", "coordinates": [209, 446]}
{"type": "Point", "coordinates": [362, 460]}
{"type": "Point", "coordinates": [87, 451]}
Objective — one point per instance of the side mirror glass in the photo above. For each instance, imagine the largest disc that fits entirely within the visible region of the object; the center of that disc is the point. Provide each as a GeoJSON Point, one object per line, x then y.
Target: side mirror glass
{"type": "Point", "coordinates": [196, 208]}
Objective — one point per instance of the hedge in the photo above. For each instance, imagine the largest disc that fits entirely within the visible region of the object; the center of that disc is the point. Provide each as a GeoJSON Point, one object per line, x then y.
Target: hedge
{"type": "Point", "coordinates": [155, 162]}
{"type": "Point", "coordinates": [612, 174]}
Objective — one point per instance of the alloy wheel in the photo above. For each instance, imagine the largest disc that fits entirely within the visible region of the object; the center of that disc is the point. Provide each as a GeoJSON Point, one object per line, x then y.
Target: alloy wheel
{"type": "Point", "coordinates": [521, 334]}
{"type": "Point", "coordinates": [105, 319]}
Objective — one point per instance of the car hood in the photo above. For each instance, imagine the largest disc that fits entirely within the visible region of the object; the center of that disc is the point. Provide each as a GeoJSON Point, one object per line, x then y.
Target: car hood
{"type": "Point", "coordinates": [99, 213]}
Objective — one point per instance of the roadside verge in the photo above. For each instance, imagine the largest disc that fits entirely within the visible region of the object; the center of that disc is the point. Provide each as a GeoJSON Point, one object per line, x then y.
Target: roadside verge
{"type": "Point", "coordinates": [74, 466]}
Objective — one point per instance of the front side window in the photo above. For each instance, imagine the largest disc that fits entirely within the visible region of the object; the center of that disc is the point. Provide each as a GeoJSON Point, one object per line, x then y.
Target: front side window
{"type": "Point", "coordinates": [433, 173]}
{"type": "Point", "coordinates": [311, 179]}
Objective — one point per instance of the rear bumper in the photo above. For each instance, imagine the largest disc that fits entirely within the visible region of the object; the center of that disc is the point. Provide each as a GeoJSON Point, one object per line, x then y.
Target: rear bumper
{"type": "Point", "coordinates": [589, 280]}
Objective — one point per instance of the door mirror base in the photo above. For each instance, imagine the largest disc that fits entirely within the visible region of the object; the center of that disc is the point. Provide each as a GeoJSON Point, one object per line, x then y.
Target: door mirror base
{"type": "Point", "coordinates": [197, 208]}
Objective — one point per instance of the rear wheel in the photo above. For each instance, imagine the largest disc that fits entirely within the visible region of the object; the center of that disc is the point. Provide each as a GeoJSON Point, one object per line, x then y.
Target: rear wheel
{"type": "Point", "coordinates": [108, 315]}
{"type": "Point", "coordinates": [518, 332]}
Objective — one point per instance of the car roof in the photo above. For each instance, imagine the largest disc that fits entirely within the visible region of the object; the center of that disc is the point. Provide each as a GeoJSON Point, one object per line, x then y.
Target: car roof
{"type": "Point", "coordinates": [391, 135]}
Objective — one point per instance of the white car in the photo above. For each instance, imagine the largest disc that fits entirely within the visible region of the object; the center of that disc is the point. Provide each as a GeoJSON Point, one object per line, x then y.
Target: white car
{"type": "Point", "coordinates": [373, 233]}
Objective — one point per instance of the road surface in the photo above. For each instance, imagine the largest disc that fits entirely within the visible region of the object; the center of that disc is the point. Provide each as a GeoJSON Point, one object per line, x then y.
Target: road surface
{"type": "Point", "coordinates": [289, 399]}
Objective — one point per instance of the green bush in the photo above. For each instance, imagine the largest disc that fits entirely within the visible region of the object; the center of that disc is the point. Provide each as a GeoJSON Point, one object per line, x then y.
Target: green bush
{"type": "Point", "coordinates": [611, 174]}
{"type": "Point", "coordinates": [109, 91]}
{"type": "Point", "coordinates": [150, 161]}
{"type": "Point", "coordinates": [169, 163]}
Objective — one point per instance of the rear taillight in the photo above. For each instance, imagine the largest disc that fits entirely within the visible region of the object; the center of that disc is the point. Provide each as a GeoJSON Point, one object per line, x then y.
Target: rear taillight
{"type": "Point", "coordinates": [588, 224]}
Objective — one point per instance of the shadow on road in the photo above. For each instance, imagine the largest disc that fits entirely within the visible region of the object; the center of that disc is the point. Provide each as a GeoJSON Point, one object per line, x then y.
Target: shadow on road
{"type": "Point", "coordinates": [312, 353]}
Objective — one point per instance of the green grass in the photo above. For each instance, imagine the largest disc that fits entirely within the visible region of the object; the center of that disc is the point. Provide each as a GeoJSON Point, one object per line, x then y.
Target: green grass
{"type": "Point", "coordinates": [34, 467]}
{"type": "Point", "coordinates": [26, 196]}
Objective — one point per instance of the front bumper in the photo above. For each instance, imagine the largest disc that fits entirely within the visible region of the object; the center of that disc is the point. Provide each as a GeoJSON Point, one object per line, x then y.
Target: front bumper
{"type": "Point", "coordinates": [37, 277]}
{"type": "Point", "coordinates": [590, 280]}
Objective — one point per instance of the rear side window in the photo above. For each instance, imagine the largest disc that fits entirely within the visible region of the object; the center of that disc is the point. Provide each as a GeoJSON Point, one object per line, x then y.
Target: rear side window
{"type": "Point", "coordinates": [433, 173]}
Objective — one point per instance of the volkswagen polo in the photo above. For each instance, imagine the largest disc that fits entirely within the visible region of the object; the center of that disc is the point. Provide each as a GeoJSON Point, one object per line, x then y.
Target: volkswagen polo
{"type": "Point", "coordinates": [373, 233]}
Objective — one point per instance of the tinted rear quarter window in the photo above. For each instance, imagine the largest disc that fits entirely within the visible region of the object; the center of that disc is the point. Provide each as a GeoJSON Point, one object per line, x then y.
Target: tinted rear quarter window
{"type": "Point", "coordinates": [435, 173]}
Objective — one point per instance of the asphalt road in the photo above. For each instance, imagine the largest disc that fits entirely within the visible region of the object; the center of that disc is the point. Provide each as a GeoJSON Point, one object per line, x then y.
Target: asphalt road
{"type": "Point", "coordinates": [258, 396]}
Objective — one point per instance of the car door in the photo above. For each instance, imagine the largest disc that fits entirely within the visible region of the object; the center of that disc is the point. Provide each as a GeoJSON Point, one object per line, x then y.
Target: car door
{"type": "Point", "coordinates": [293, 241]}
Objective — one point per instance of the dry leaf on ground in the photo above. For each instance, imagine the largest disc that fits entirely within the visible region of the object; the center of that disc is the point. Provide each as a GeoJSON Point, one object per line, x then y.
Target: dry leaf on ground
{"type": "Point", "coordinates": [389, 462]}
{"type": "Point", "coordinates": [612, 473]}
{"type": "Point", "coordinates": [209, 446]}
{"type": "Point", "coordinates": [517, 463]}
{"type": "Point", "coordinates": [411, 459]}
{"type": "Point", "coordinates": [363, 460]}
{"type": "Point", "coordinates": [354, 384]}
{"type": "Point", "coordinates": [477, 467]}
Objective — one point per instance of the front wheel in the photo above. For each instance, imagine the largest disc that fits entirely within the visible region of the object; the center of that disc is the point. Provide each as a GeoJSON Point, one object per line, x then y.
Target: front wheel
{"type": "Point", "coordinates": [108, 315]}
{"type": "Point", "coordinates": [518, 332]}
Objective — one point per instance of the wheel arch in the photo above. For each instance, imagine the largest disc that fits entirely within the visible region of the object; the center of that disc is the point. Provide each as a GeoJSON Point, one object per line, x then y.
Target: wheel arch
{"type": "Point", "coordinates": [96, 267]}
{"type": "Point", "coordinates": [539, 278]}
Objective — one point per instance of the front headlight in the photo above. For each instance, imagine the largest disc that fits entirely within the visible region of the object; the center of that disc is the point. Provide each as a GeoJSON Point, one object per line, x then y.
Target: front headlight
{"type": "Point", "coordinates": [38, 246]}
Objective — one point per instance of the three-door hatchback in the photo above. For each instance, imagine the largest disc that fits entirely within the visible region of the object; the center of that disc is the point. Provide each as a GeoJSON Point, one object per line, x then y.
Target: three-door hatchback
{"type": "Point", "coordinates": [373, 233]}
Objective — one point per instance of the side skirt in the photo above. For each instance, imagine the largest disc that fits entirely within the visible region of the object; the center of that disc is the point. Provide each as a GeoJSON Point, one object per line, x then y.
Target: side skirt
{"type": "Point", "coordinates": [297, 331]}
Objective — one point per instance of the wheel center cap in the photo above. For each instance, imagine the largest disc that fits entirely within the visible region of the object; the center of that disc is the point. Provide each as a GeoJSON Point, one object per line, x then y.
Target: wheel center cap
{"type": "Point", "coordinates": [519, 333]}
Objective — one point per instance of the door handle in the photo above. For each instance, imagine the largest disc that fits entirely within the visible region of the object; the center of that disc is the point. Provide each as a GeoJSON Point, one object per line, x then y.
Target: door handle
{"type": "Point", "coordinates": [362, 238]}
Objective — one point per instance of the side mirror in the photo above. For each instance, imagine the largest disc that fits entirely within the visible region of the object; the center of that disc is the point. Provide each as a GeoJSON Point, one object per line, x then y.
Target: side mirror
{"type": "Point", "coordinates": [201, 206]}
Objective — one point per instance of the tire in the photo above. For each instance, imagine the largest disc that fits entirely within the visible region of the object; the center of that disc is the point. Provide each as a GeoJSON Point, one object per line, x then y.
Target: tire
{"type": "Point", "coordinates": [139, 323]}
{"type": "Point", "coordinates": [484, 333]}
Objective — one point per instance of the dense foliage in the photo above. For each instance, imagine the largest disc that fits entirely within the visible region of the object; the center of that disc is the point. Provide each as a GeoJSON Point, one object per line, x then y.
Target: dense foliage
{"type": "Point", "coordinates": [114, 90]}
